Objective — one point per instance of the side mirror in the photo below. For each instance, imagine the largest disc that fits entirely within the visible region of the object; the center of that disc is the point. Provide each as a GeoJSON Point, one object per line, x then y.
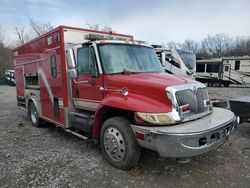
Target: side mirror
{"type": "Point", "coordinates": [73, 72]}
{"type": "Point", "coordinates": [71, 58]}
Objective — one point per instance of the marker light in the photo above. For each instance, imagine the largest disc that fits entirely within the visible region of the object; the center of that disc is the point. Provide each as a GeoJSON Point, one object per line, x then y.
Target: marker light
{"type": "Point", "coordinates": [206, 103]}
{"type": "Point", "coordinates": [185, 108]}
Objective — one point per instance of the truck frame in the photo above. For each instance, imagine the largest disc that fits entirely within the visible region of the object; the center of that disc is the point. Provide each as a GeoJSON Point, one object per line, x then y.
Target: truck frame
{"type": "Point", "coordinates": [112, 89]}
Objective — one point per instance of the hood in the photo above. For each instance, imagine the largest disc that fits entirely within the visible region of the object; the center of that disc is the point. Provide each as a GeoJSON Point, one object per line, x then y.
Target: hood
{"type": "Point", "coordinates": [152, 85]}
{"type": "Point", "coordinates": [145, 81]}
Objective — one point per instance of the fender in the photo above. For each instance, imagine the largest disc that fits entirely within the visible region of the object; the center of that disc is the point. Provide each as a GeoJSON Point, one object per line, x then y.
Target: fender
{"type": "Point", "coordinates": [32, 99]}
{"type": "Point", "coordinates": [132, 103]}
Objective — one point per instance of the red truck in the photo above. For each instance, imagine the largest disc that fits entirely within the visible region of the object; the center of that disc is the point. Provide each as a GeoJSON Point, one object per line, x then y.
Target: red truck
{"type": "Point", "coordinates": [112, 89]}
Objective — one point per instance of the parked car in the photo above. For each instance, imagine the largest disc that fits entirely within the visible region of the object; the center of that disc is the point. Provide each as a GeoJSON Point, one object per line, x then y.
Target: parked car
{"type": "Point", "coordinates": [10, 77]}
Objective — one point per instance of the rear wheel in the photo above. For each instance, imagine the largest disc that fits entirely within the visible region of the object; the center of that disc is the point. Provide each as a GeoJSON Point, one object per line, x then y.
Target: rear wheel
{"type": "Point", "coordinates": [33, 114]}
{"type": "Point", "coordinates": [118, 143]}
{"type": "Point", "coordinates": [226, 84]}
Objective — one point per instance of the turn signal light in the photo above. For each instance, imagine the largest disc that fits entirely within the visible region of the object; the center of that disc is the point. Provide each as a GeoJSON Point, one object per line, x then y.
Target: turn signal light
{"type": "Point", "coordinates": [206, 103]}
{"type": "Point", "coordinates": [140, 135]}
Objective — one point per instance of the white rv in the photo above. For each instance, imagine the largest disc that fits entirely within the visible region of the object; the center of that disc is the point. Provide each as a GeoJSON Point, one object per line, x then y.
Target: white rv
{"type": "Point", "coordinates": [176, 61]}
{"type": "Point", "coordinates": [223, 71]}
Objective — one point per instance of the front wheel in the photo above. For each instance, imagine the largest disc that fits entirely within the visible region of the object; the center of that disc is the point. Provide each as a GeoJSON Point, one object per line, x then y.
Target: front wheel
{"type": "Point", "coordinates": [118, 143]}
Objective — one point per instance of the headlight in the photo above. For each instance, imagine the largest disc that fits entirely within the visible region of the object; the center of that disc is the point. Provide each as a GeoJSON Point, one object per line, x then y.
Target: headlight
{"type": "Point", "coordinates": [156, 118]}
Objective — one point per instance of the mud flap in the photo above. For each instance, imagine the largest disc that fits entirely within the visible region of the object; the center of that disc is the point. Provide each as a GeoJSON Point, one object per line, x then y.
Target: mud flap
{"type": "Point", "coordinates": [56, 107]}
{"type": "Point", "coordinates": [229, 141]}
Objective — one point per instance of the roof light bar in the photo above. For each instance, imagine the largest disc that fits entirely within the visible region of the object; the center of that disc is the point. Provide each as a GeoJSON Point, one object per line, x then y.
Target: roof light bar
{"type": "Point", "coordinates": [92, 37]}
{"type": "Point", "coordinates": [104, 38]}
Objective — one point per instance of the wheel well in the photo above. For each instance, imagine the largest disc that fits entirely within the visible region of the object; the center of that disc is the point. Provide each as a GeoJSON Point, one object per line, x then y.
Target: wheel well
{"type": "Point", "coordinates": [105, 113]}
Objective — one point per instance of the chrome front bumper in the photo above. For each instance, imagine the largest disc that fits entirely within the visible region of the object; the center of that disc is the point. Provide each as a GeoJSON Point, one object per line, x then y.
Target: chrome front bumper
{"type": "Point", "coordinates": [190, 138]}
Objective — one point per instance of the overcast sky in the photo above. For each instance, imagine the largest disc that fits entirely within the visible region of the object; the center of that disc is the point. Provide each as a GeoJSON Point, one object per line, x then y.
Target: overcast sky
{"type": "Point", "coordinates": [155, 21]}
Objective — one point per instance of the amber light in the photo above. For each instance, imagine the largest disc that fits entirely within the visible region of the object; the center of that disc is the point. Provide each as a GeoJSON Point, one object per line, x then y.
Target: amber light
{"type": "Point", "coordinates": [206, 103]}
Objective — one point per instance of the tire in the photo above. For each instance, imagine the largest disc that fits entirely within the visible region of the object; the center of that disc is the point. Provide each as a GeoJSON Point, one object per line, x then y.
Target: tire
{"type": "Point", "coordinates": [210, 84]}
{"type": "Point", "coordinates": [33, 115]}
{"type": "Point", "coordinates": [226, 84]}
{"type": "Point", "coordinates": [118, 143]}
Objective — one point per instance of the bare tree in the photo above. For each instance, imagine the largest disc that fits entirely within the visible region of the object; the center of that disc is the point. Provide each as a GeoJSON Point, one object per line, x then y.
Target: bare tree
{"type": "Point", "coordinates": [5, 54]}
{"type": "Point", "coordinates": [108, 29]}
{"type": "Point", "coordinates": [40, 28]}
{"type": "Point", "coordinates": [98, 27]}
{"type": "Point", "coordinates": [2, 36]}
{"type": "Point", "coordinates": [241, 46]}
{"type": "Point", "coordinates": [21, 35]}
{"type": "Point", "coordinates": [173, 44]}
{"type": "Point", "coordinates": [93, 26]}
{"type": "Point", "coordinates": [217, 45]}
{"type": "Point", "coordinates": [190, 45]}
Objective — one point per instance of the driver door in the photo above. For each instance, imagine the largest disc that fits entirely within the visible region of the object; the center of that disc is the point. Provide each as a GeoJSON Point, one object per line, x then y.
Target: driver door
{"type": "Point", "coordinates": [86, 88]}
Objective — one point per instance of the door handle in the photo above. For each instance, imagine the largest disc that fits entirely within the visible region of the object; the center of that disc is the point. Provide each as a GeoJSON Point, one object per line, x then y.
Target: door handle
{"type": "Point", "coordinates": [80, 82]}
{"type": "Point", "coordinates": [90, 82]}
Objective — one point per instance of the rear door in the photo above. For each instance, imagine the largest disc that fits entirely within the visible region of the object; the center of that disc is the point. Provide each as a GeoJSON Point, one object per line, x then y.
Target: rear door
{"type": "Point", "coordinates": [19, 81]}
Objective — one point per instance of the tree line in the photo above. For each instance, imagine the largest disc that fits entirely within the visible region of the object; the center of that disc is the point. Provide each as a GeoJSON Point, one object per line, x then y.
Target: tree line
{"type": "Point", "coordinates": [5, 54]}
{"type": "Point", "coordinates": [212, 46]}
{"type": "Point", "coordinates": [215, 46]}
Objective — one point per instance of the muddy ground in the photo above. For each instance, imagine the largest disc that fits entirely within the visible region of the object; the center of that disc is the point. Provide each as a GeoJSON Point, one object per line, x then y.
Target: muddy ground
{"type": "Point", "coordinates": [50, 157]}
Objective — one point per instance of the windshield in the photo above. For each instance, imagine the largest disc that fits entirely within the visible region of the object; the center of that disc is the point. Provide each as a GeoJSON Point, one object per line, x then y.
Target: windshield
{"type": "Point", "coordinates": [188, 58]}
{"type": "Point", "coordinates": [125, 58]}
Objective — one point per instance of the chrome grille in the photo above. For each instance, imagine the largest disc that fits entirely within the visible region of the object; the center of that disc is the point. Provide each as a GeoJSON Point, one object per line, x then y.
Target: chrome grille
{"type": "Point", "coordinates": [193, 98]}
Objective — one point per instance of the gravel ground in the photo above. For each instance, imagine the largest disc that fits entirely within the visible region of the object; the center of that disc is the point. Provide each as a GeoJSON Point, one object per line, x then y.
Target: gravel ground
{"type": "Point", "coordinates": [50, 157]}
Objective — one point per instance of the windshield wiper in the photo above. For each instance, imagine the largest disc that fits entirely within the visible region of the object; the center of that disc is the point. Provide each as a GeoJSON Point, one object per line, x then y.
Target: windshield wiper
{"type": "Point", "coordinates": [125, 71]}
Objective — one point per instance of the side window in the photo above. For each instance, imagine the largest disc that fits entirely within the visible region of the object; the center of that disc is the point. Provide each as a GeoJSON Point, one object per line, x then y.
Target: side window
{"type": "Point", "coordinates": [93, 64]}
{"type": "Point", "coordinates": [83, 60]}
{"type": "Point", "coordinates": [159, 55]}
{"type": "Point", "coordinates": [86, 61]}
{"type": "Point", "coordinates": [213, 68]}
{"type": "Point", "coordinates": [226, 68]}
{"type": "Point", "coordinates": [237, 65]}
{"type": "Point", "coordinates": [200, 68]}
{"type": "Point", "coordinates": [53, 66]}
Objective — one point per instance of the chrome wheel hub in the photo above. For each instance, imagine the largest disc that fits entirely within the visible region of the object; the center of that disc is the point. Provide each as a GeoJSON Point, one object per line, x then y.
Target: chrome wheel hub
{"type": "Point", "coordinates": [114, 144]}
